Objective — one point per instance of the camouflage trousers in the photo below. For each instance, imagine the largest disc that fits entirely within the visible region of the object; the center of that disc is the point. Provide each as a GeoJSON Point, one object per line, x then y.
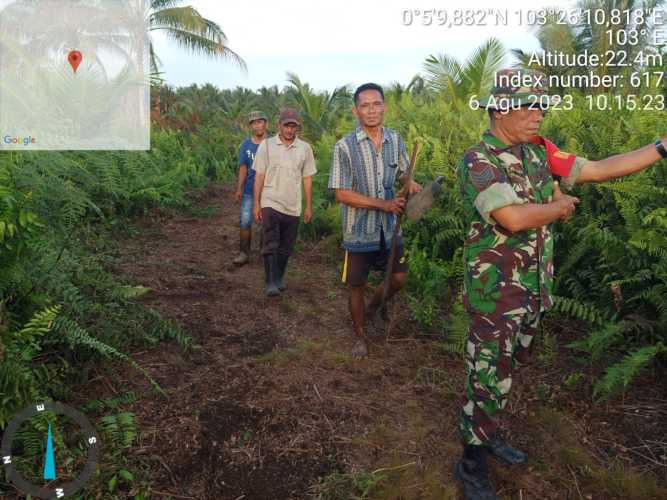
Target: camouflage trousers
{"type": "Point", "coordinates": [495, 346]}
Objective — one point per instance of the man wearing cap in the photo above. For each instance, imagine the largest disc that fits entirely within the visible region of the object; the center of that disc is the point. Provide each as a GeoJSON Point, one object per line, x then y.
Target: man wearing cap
{"type": "Point", "coordinates": [282, 163]}
{"type": "Point", "coordinates": [366, 164]}
{"type": "Point", "coordinates": [246, 181]}
{"type": "Point", "coordinates": [510, 189]}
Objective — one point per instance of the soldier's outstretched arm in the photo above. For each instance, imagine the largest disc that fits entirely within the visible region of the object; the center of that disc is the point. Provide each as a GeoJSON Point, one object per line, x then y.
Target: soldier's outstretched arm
{"type": "Point", "coordinates": [486, 185]}
{"type": "Point", "coordinates": [620, 165]}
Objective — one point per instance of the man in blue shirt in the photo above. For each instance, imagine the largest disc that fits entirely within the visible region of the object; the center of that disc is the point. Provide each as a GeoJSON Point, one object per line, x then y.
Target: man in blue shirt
{"type": "Point", "coordinates": [246, 181]}
{"type": "Point", "coordinates": [366, 165]}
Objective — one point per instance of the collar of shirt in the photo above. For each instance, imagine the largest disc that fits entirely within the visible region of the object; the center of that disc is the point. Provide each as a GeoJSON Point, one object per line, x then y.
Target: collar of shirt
{"type": "Point", "coordinates": [362, 134]}
{"type": "Point", "coordinates": [494, 142]}
{"type": "Point", "coordinates": [497, 145]}
{"type": "Point", "coordinates": [295, 142]}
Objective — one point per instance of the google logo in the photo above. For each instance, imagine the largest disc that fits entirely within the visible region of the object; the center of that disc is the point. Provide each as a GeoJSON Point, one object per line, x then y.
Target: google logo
{"type": "Point", "coordinates": [26, 141]}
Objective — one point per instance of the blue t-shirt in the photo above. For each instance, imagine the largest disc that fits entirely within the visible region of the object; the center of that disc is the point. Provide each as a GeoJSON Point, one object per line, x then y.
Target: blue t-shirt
{"type": "Point", "coordinates": [246, 157]}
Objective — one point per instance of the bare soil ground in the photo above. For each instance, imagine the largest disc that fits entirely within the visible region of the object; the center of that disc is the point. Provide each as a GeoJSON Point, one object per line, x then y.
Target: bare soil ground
{"type": "Point", "coordinates": [271, 402]}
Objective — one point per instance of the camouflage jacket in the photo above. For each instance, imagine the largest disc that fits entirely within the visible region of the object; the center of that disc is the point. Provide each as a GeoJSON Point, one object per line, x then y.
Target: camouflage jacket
{"type": "Point", "coordinates": [507, 272]}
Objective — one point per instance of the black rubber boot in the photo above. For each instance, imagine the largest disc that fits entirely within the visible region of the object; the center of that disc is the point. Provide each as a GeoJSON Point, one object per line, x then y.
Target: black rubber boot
{"type": "Point", "coordinates": [473, 472]}
{"type": "Point", "coordinates": [271, 271]}
{"type": "Point", "coordinates": [244, 247]}
{"type": "Point", "coordinates": [499, 448]}
{"type": "Point", "coordinates": [282, 265]}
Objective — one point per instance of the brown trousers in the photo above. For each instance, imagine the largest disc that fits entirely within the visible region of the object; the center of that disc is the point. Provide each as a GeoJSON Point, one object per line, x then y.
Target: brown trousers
{"type": "Point", "coordinates": [279, 232]}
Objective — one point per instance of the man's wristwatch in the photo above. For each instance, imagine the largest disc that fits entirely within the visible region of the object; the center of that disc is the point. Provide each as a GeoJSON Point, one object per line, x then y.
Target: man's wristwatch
{"type": "Point", "coordinates": [661, 148]}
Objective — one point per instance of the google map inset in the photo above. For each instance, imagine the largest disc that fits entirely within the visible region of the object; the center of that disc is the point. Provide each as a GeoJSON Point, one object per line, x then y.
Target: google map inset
{"type": "Point", "coordinates": [74, 75]}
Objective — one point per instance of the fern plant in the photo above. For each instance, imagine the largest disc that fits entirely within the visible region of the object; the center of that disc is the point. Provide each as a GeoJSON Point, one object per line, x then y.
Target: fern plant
{"type": "Point", "coordinates": [21, 382]}
{"type": "Point", "coordinates": [77, 336]}
{"type": "Point", "coordinates": [610, 258]}
{"type": "Point", "coordinates": [120, 430]}
{"type": "Point", "coordinates": [618, 377]}
{"type": "Point", "coordinates": [457, 330]}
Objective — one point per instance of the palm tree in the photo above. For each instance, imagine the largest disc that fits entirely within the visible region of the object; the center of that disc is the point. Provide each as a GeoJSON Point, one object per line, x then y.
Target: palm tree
{"type": "Point", "coordinates": [395, 90]}
{"type": "Point", "coordinates": [189, 29]}
{"type": "Point", "coordinates": [270, 100]}
{"type": "Point", "coordinates": [417, 86]}
{"type": "Point", "coordinates": [318, 110]}
{"type": "Point", "coordinates": [458, 81]}
{"type": "Point", "coordinates": [183, 24]}
{"type": "Point", "coordinates": [195, 105]}
{"type": "Point", "coordinates": [236, 103]}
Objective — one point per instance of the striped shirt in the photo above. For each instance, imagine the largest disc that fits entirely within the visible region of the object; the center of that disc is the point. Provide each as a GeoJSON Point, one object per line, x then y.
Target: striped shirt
{"type": "Point", "coordinates": [357, 165]}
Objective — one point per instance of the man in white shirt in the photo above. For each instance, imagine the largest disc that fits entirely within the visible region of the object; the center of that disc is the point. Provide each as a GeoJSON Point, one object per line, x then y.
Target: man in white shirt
{"type": "Point", "coordinates": [281, 164]}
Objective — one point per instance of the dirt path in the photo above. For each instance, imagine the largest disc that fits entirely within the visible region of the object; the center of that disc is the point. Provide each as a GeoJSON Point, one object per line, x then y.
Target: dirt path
{"type": "Point", "coordinates": [272, 402]}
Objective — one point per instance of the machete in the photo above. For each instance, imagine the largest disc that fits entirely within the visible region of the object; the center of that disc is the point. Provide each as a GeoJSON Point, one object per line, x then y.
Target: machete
{"type": "Point", "coordinates": [405, 193]}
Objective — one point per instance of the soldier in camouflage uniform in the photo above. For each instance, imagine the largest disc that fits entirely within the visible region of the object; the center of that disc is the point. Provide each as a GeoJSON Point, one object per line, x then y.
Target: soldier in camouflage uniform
{"type": "Point", "coordinates": [510, 186]}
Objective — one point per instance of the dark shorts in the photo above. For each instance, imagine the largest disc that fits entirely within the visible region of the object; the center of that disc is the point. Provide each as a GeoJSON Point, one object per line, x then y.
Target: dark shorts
{"type": "Point", "coordinates": [357, 265]}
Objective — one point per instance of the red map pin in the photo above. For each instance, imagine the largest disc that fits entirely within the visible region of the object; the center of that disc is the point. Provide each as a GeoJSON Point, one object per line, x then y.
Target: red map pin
{"type": "Point", "coordinates": [74, 58]}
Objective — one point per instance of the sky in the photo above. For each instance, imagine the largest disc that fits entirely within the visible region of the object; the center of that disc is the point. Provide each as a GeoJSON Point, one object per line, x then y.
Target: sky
{"type": "Point", "coordinates": [329, 44]}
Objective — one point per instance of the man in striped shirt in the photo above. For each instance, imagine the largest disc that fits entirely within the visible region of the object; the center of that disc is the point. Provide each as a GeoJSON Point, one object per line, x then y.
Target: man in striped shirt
{"type": "Point", "coordinates": [366, 164]}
